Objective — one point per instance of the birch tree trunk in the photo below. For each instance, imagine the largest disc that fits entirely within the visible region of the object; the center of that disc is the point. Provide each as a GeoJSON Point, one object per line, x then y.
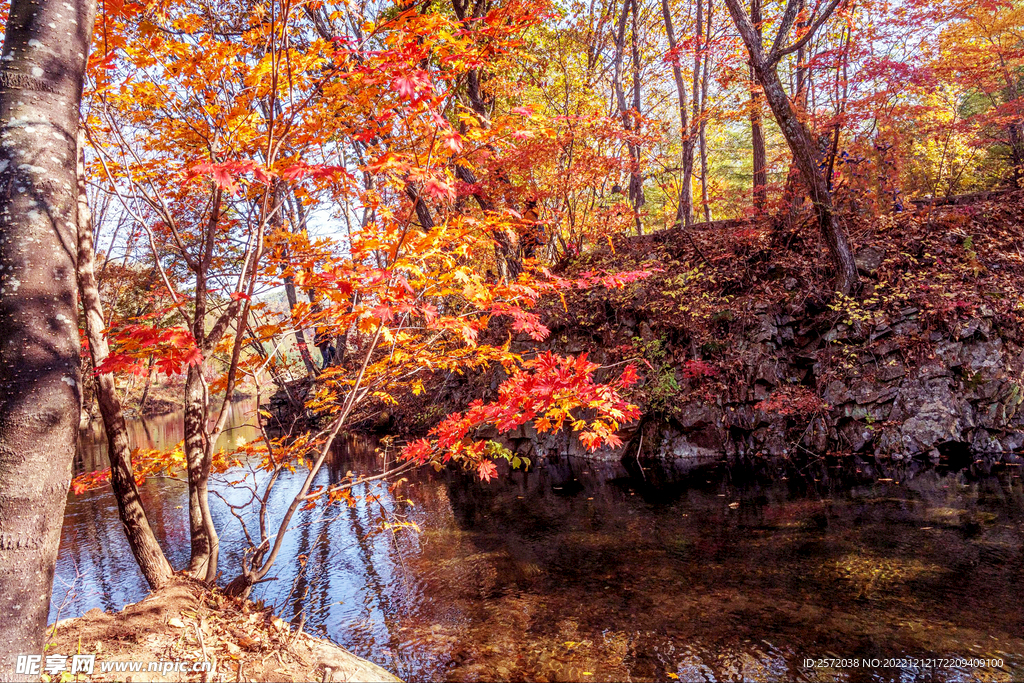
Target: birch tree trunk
{"type": "Point", "coordinates": [41, 76]}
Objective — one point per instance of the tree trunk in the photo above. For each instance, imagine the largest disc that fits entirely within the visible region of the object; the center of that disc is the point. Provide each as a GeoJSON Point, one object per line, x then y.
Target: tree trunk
{"type": "Point", "coordinates": [805, 155]}
{"type": "Point", "coordinates": [203, 560]}
{"type": "Point", "coordinates": [636, 194]}
{"type": "Point", "coordinates": [421, 208]}
{"type": "Point", "coordinates": [147, 551]}
{"type": "Point", "coordinates": [695, 116]}
{"type": "Point", "coordinates": [300, 333]}
{"type": "Point", "coordinates": [760, 158]}
{"type": "Point", "coordinates": [41, 77]}
{"type": "Point", "coordinates": [684, 210]}
{"type": "Point", "coordinates": [508, 252]}
{"type": "Point", "coordinates": [636, 179]}
{"type": "Point", "coordinates": [277, 225]}
{"type": "Point", "coordinates": [701, 136]}
{"type": "Point", "coordinates": [1016, 152]}
{"type": "Point", "coordinates": [150, 378]}
{"type": "Point", "coordinates": [804, 150]}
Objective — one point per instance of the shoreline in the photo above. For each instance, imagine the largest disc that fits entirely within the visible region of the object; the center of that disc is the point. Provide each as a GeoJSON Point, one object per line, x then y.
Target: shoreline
{"type": "Point", "coordinates": [179, 627]}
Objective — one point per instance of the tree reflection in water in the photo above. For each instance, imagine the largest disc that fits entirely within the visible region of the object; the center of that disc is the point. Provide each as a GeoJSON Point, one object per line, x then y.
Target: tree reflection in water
{"type": "Point", "coordinates": [580, 567]}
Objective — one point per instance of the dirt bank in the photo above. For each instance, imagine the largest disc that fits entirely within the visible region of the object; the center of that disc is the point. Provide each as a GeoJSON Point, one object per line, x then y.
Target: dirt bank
{"type": "Point", "coordinates": [189, 624]}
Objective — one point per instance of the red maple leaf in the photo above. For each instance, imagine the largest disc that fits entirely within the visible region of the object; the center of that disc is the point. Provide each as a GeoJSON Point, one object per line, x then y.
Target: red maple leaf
{"type": "Point", "coordinates": [486, 470]}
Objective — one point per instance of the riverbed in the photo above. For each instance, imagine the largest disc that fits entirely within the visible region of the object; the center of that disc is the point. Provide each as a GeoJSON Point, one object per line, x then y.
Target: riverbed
{"type": "Point", "coordinates": [579, 570]}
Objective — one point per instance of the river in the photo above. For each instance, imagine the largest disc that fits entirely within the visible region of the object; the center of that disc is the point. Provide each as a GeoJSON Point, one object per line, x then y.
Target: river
{"type": "Point", "coordinates": [581, 570]}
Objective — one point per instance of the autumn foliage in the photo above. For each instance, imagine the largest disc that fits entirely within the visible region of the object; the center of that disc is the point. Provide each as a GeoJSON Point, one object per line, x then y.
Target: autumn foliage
{"type": "Point", "coordinates": [351, 205]}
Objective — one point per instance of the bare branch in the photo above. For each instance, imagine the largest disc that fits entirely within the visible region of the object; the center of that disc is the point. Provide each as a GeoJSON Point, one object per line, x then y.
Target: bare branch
{"type": "Point", "coordinates": [776, 55]}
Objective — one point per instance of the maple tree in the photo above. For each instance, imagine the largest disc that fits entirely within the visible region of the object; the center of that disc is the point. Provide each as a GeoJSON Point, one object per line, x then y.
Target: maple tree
{"type": "Point", "coordinates": [407, 281]}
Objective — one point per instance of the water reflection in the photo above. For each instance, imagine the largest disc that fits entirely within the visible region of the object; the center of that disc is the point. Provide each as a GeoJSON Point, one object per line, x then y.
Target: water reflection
{"type": "Point", "coordinates": [597, 571]}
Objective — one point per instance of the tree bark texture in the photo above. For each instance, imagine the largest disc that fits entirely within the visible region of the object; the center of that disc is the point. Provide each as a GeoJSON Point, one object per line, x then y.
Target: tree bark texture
{"type": "Point", "coordinates": [203, 559]}
{"type": "Point", "coordinates": [636, 195]}
{"type": "Point", "coordinates": [277, 225]}
{"type": "Point", "coordinates": [41, 76]}
{"type": "Point", "coordinates": [702, 141]}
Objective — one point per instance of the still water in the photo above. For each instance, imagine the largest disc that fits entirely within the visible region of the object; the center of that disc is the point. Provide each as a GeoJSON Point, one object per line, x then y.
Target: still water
{"type": "Point", "coordinates": [605, 571]}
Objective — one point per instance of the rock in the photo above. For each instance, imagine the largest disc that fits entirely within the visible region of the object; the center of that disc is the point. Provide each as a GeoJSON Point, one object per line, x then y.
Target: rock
{"type": "Point", "coordinates": [890, 370]}
{"type": "Point", "coordinates": [880, 331]}
{"type": "Point", "coordinates": [983, 356]}
{"type": "Point", "coordinates": [767, 372]}
{"type": "Point", "coordinates": [175, 622]}
{"type": "Point", "coordinates": [931, 414]}
{"type": "Point", "coordinates": [871, 392]}
{"type": "Point", "coordinates": [980, 327]}
{"type": "Point", "coordinates": [837, 393]}
{"type": "Point", "coordinates": [766, 330]}
{"type": "Point", "coordinates": [869, 260]}
{"type": "Point", "coordinates": [678, 447]}
{"type": "Point", "coordinates": [857, 434]}
{"type": "Point", "coordinates": [694, 414]}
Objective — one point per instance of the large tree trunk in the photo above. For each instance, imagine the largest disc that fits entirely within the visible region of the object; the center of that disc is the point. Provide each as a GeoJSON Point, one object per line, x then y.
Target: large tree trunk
{"type": "Point", "coordinates": [147, 551]}
{"type": "Point", "coordinates": [203, 560]}
{"type": "Point", "coordinates": [636, 179]}
{"type": "Point", "coordinates": [422, 210]}
{"type": "Point", "coordinates": [702, 141]}
{"type": "Point", "coordinates": [508, 250]}
{"type": "Point", "coordinates": [150, 378]}
{"type": "Point", "coordinates": [805, 155]}
{"type": "Point", "coordinates": [696, 115]}
{"type": "Point", "coordinates": [1016, 152]}
{"type": "Point", "coordinates": [277, 225]}
{"type": "Point", "coordinates": [636, 194]}
{"type": "Point", "coordinates": [41, 77]}
{"type": "Point", "coordinates": [300, 333]}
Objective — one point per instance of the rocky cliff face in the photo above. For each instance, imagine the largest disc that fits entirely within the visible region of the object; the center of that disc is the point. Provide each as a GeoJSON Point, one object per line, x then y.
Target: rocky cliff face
{"type": "Point", "coordinates": [964, 395]}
